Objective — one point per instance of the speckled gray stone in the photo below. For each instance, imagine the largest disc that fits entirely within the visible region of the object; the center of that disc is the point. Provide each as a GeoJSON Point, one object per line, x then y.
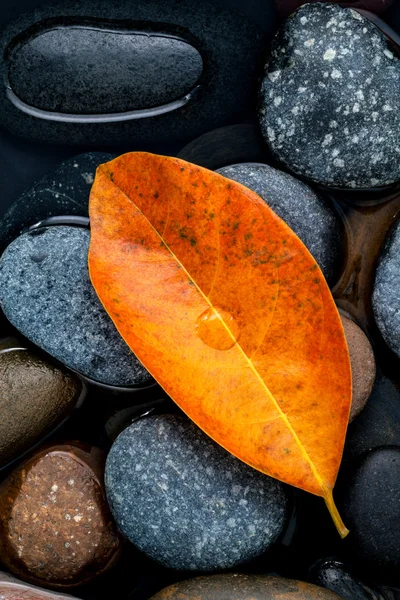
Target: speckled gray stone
{"type": "Point", "coordinates": [386, 292]}
{"type": "Point", "coordinates": [329, 101]}
{"type": "Point", "coordinates": [188, 503]}
{"type": "Point", "coordinates": [310, 216]}
{"type": "Point", "coordinates": [46, 293]}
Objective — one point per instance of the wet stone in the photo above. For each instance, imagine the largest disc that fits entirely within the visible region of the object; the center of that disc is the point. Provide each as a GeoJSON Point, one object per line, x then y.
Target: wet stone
{"type": "Point", "coordinates": [308, 215]}
{"type": "Point", "coordinates": [363, 368]}
{"type": "Point", "coordinates": [46, 293]}
{"type": "Point", "coordinates": [244, 587]}
{"type": "Point", "coordinates": [188, 503]}
{"type": "Point", "coordinates": [386, 292]}
{"type": "Point", "coordinates": [65, 191]}
{"type": "Point", "coordinates": [329, 102]}
{"type": "Point", "coordinates": [13, 589]}
{"type": "Point", "coordinates": [35, 396]}
{"type": "Point", "coordinates": [71, 538]}
{"type": "Point", "coordinates": [286, 7]}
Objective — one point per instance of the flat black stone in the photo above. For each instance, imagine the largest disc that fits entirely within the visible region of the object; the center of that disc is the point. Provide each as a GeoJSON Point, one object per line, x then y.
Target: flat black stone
{"type": "Point", "coordinates": [329, 102]}
{"type": "Point", "coordinates": [91, 72]}
{"type": "Point", "coordinates": [185, 501]}
{"type": "Point", "coordinates": [46, 293]}
{"type": "Point", "coordinates": [65, 191]}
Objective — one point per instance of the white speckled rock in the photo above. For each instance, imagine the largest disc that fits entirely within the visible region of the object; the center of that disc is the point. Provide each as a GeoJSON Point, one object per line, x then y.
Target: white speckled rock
{"type": "Point", "coordinates": [330, 103]}
{"type": "Point", "coordinates": [188, 503]}
{"type": "Point", "coordinates": [310, 216]}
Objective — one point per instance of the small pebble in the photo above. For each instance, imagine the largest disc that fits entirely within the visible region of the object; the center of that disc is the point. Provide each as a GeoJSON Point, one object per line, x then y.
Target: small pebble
{"type": "Point", "coordinates": [13, 589]}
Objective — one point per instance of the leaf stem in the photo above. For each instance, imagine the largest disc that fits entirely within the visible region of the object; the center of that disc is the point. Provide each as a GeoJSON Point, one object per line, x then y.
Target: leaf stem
{"type": "Point", "coordinates": [330, 503]}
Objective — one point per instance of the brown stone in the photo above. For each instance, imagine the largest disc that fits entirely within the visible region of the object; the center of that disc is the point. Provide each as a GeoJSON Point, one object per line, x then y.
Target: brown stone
{"type": "Point", "coordinates": [35, 397]}
{"type": "Point", "coordinates": [13, 589]}
{"type": "Point", "coordinates": [243, 587]}
{"type": "Point", "coordinates": [55, 525]}
{"type": "Point", "coordinates": [363, 365]}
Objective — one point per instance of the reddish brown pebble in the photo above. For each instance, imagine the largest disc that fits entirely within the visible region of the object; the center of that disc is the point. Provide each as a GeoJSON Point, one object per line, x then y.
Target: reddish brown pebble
{"type": "Point", "coordinates": [244, 587]}
{"type": "Point", "coordinates": [13, 589]}
{"type": "Point", "coordinates": [55, 526]}
{"type": "Point", "coordinates": [363, 365]}
{"type": "Point", "coordinates": [286, 7]}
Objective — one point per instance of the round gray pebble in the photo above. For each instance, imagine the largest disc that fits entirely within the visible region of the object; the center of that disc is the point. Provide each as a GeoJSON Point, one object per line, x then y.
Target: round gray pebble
{"type": "Point", "coordinates": [46, 293]}
{"type": "Point", "coordinates": [329, 101]}
{"type": "Point", "coordinates": [308, 215]}
{"type": "Point", "coordinates": [185, 501]}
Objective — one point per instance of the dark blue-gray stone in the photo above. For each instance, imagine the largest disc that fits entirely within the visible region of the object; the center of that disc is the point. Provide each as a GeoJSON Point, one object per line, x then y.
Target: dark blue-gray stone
{"type": "Point", "coordinates": [46, 293]}
{"type": "Point", "coordinates": [386, 292]}
{"type": "Point", "coordinates": [329, 101]}
{"type": "Point", "coordinates": [310, 216]}
{"type": "Point", "coordinates": [91, 72]}
{"type": "Point", "coordinates": [188, 503]}
{"type": "Point", "coordinates": [65, 191]}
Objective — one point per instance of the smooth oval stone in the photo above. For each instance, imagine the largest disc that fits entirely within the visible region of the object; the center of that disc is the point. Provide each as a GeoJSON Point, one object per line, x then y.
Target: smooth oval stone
{"type": "Point", "coordinates": [332, 574]}
{"type": "Point", "coordinates": [385, 296]}
{"type": "Point", "coordinates": [372, 508]}
{"type": "Point", "coordinates": [56, 529]}
{"type": "Point", "coordinates": [310, 216]}
{"type": "Point", "coordinates": [13, 589]}
{"type": "Point", "coordinates": [35, 397]}
{"type": "Point", "coordinates": [286, 7]}
{"type": "Point", "coordinates": [329, 103]}
{"type": "Point", "coordinates": [46, 293]}
{"type": "Point", "coordinates": [243, 587]}
{"type": "Point", "coordinates": [363, 367]}
{"type": "Point", "coordinates": [188, 503]}
{"type": "Point", "coordinates": [114, 71]}
{"type": "Point", "coordinates": [64, 191]}
{"type": "Point", "coordinates": [90, 73]}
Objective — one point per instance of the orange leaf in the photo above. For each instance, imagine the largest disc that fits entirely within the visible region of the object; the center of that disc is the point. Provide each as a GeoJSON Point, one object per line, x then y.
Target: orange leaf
{"type": "Point", "coordinates": [229, 312]}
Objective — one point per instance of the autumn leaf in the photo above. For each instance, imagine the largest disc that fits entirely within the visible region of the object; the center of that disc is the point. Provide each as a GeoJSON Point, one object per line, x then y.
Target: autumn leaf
{"type": "Point", "coordinates": [229, 312]}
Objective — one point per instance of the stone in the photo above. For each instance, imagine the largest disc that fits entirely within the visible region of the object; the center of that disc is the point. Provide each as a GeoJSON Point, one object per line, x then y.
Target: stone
{"type": "Point", "coordinates": [65, 191]}
{"type": "Point", "coordinates": [379, 422]}
{"type": "Point", "coordinates": [333, 575]}
{"type": "Point", "coordinates": [310, 216]}
{"type": "Point", "coordinates": [55, 526]}
{"type": "Point", "coordinates": [363, 367]}
{"type": "Point", "coordinates": [186, 502]}
{"type": "Point", "coordinates": [385, 295]}
{"type": "Point", "coordinates": [372, 510]}
{"type": "Point", "coordinates": [13, 589]}
{"type": "Point", "coordinates": [134, 72]}
{"type": "Point", "coordinates": [329, 103]}
{"type": "Point", "coordinates": [46, 293]}
{"type": "Point", "coordinates": [286, 7]}
{"type": "Point", "coordinates": [243, 587]}
{"type": "Point", "coordinates": [35, 397]}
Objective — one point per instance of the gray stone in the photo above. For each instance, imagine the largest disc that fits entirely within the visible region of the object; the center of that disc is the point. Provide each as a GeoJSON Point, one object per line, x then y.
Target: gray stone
{"type": "Point", "coordinates": [310, 216]}
{"type": "Point", "coordinates": [386, 292]}
{"type": "Point", "coordinates": [46, 293]}
{"type": "Point", "coordinates": [329, 104]}
{"type": "Point", "coordinates": [188, 503]}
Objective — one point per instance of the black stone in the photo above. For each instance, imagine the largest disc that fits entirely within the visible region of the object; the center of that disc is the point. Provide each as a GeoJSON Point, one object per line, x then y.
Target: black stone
{"type": "Point", "coordinates": [90, 72]}
{"type": "Point", "coordinates": [329, 102]}
{"type": "Point", "coordinates": [332, 574]}
{"type": "Point", "coordinates": [51, 301]}
{"type": "Point", "coordinates": [309, 215]}
{"type": "Point", "coordinates": [372, 511]}
{"type": "Point", "coordinates": [185, 501]}
{"type": "Point", "coordinates": [65, 191]}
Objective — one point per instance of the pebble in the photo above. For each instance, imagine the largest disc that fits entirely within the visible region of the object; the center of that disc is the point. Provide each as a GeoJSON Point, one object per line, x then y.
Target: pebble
{"type": "Point", "coordinates": [386, 292]}
{"type": "Point", "coordinates": [308, 215]}
{"type": "Point", "coordinates": [329, 102]}
{"type": "Point", "coordinates": [46, 293]}
{"type": "Point", "coordinates": [286, 7]}
{"type": "Point", "coordinates": [55, 527]}
{"type": "Point", "coordinates": [13, 589]}
{"type": "Point", "coordinates": [244, 587]}
{"type": "Point", "coordinates": [372, 510]}
{"type": "Point", "coordinates": [363, 367]}
{"type": "Point", "coordinates": [186, 502]}
{"type": "Point", "coordinates": [64, 191]}
{"type": "Point", "coordinates": [35, 396]}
